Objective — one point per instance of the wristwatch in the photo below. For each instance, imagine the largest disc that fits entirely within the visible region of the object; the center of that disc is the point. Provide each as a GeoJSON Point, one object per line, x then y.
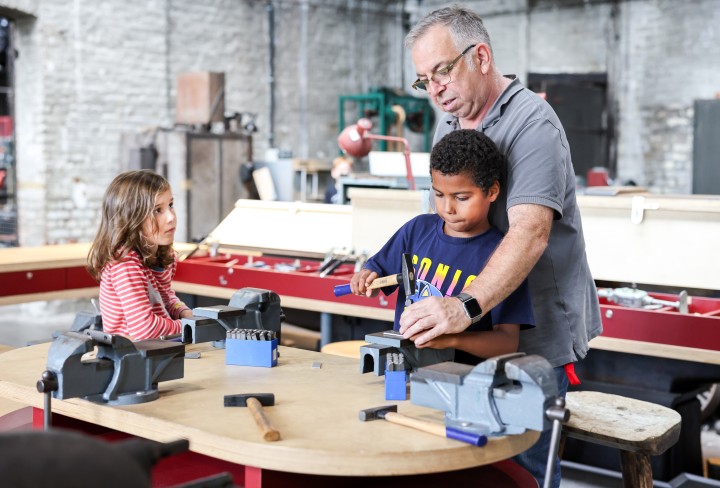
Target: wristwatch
{"type": "Point", "coordinates": [472, 308]}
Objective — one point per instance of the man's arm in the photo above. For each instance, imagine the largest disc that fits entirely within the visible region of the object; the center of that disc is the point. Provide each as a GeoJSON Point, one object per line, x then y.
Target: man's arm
{"type": "Point", "coordinates": [510, 264]}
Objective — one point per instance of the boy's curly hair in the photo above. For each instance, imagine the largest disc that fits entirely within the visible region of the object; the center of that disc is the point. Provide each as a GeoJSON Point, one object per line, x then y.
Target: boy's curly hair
{"type": "Point", "coordinates": [472, 152]}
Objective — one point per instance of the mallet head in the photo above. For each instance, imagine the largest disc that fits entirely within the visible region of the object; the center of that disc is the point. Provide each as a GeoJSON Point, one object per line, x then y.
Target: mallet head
{"type": "Point", "coordinates": [240, 400]}
{"type": "Point", "coordinates": [377, 413]}
{"type": "Point", "coordinates": [408, 275]}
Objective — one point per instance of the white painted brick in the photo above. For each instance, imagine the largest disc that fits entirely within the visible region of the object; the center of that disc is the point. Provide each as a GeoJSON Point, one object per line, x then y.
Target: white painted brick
{"type": "Point", "coordinates": [90, 71]}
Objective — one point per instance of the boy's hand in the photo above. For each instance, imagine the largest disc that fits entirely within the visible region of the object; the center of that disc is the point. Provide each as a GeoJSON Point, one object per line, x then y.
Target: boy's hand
{"type": "Point", "coordinates": [361, 280]}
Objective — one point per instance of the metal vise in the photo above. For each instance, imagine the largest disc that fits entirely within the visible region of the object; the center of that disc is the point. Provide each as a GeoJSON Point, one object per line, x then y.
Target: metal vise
{"type": "Point", "coordinates": [122, 373]}
{"type": "Point", "coordinates": [502, 395]}
{"type": "Point", "coordinates": [373, 356]}
{"type": "Point", "coordinates": [249, 308]}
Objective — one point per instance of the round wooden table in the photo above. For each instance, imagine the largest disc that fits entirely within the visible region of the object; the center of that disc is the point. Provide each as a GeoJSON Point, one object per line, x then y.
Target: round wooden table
{"type": "Point", "coordinates": [316, 412]}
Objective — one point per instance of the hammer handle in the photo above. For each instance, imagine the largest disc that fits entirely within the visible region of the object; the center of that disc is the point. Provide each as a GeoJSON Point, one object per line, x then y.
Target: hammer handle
{"type": "Point", "coordinates": [436, 429]}
{"type": "Point", "coordinates": [341, 290]}
{"type": "Point", "coordinates": [424, 425]}
{"type": "Point", "coordinates": [256, 409]}
{"type": "Point", "coordinates": [385, 281]}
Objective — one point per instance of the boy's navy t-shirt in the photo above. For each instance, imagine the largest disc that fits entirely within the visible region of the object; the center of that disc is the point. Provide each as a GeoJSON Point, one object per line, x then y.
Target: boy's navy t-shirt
{"type": "Point", "coordinates": [444, 266]}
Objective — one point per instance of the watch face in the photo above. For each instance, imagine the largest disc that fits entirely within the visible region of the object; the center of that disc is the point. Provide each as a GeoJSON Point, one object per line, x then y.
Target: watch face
{"type": "Point", "coordinates": [473, 308]}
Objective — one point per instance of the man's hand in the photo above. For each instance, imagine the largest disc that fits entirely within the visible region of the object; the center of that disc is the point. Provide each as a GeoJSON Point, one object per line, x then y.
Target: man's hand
{"type": "Point", "coordinates": [361, 280]}
{"type": "Point", "coordinates": [431, 317]}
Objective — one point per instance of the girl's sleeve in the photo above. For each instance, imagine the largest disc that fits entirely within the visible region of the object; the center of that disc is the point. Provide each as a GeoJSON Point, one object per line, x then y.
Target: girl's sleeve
{"type": "Point", "coordinates": [173, 304]}
{"type": "Point", "coordinates": [131, 286]}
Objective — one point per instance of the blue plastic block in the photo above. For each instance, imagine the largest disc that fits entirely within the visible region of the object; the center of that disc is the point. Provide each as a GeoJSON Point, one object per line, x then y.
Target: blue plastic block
{"type": "Point", "coordinates": [243, 352]}
{"type": "Point", "coordinates": [395, 385]}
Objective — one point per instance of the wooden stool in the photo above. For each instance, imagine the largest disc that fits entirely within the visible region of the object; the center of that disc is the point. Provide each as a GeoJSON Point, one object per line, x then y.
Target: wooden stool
{"type": "Point", "coordinates": [639, 429]}
{"type": "Point", "coordinates": [346, 349]}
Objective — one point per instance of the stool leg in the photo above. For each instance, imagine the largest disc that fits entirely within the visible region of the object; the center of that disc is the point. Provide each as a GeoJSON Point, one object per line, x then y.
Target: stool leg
{"type": "Point", "coordinates": [636, 470]}
{"type": "Point", "coordinates": [561, 447]}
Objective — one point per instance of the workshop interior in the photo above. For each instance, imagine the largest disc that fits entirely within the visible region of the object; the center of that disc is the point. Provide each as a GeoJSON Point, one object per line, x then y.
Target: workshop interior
{"type": "Point", "coordinates": [295, 147]}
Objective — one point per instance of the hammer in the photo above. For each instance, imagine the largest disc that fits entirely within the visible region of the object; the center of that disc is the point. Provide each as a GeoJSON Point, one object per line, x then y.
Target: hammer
{"type": "Point", "coordinates": [390, 413]}
{"type": "Point", "coordinates": [407, 277]}
{"type": "Point", "coordinates": [255, 402]}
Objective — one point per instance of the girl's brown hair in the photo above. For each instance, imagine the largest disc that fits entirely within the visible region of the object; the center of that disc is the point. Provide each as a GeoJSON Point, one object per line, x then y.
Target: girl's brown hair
{"type": "Point", "coordinates": [128, 201]}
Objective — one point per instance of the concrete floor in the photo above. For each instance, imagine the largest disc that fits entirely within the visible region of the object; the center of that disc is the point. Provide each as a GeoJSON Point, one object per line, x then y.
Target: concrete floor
{"type": "Point", "coordinates": [33, 322]}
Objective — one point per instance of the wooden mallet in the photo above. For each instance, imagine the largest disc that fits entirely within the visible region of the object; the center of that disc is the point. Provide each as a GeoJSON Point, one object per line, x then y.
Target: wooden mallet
{"type": "Point", "coordinates": [406, 277]}
{"type": "Point", "coordinates": [255, 402]}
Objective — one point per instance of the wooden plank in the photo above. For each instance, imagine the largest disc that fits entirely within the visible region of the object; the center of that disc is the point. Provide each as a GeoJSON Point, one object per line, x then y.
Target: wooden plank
{"type": "Point", "coordinates": [672, 245]}
{"type": "Point", "coordinates": [656, 350]}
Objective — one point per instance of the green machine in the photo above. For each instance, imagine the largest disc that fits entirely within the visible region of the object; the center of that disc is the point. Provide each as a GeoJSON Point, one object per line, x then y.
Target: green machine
{"type": "Point", "coordinates": [382, 105]}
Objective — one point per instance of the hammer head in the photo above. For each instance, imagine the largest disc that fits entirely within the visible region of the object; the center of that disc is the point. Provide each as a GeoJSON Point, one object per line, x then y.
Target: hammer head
{"type": "Point", "coordinates": [265, 399]}
{"type": "Point", "coordinates": [377, 413]}
{"type": "Point", "coordinates": [408, 274]}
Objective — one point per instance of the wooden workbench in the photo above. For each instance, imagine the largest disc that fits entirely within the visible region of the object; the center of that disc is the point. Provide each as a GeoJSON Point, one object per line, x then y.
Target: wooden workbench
{"type": "Point", "coordinates": [316, 412]}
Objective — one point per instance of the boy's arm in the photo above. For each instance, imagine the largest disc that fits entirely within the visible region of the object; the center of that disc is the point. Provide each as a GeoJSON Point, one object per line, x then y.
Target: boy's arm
{"type": "Point", "coordinates": [503, 339]}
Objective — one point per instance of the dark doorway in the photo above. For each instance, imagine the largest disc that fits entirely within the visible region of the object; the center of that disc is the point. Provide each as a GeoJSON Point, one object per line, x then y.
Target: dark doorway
{"type": "Point", "coordinates": [8, 205]}
{"type": "Point", "coordinates": [581, 103]}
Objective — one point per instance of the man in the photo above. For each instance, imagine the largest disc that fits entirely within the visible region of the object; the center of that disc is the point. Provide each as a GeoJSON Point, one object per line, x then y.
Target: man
{"type": "Point", "coordinates": [537, 209]}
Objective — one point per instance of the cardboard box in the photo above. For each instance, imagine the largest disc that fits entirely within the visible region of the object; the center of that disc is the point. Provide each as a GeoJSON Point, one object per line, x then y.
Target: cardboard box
{"type": "Point", "coordinates": [200, 98]}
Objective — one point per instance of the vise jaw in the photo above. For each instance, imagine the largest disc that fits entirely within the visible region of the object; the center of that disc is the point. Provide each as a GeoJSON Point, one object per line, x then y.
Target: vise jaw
{"type": "Point", "coordinates": [122, 372]}
{"type": "Point", "coordinates": [249, 308]}
{"type": "Point", "coordinates": [502, 395]}
{"type": "Point", "coordinates": [372, 355]}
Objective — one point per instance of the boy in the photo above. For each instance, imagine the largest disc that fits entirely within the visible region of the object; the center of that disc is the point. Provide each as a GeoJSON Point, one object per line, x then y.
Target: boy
{"type": "Point", "coordinates": [449, 247]}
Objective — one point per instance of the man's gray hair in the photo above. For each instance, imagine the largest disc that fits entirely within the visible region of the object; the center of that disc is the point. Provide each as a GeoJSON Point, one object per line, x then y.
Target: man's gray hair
{"type": "Point", "coordinates": [466, 27]}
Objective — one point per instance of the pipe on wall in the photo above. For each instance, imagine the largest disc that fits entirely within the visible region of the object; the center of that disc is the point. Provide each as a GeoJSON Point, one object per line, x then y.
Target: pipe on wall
{"type": "Point", "coordinates": [271, 72]}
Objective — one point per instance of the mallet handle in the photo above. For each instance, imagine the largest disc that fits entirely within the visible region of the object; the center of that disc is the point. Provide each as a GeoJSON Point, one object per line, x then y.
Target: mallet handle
{"type": "Point", "coordinates": [424, 425]}
{"type": "Point", "coordinates": [269, 433]}
{"type": "Point", "coordinates": [436, 429]}
{"type": "Point", "coordinates": [341, 290]}
{"type": "Point", "coordinates": [385, 281]}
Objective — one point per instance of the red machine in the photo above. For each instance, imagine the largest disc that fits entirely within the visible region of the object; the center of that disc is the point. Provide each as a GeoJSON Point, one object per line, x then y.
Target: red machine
{"type": "Point", "coordinates": [288, 277]}
{"type": "Point", "coordinates": [661, 318]}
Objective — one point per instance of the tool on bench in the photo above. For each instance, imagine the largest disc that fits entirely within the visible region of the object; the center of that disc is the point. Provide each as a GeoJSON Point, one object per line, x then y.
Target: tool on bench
{"type": "Point", "coordinates": [249, 308]}
{"type": "Point", "coordinates": [634, 298]}
{"type": "Point", "coordinates": [122, 372]}
{"type": "Point", "coordinates": [336, 259]}
{"type": "Point", "coordinates": [503, 395]}
{"type": "Point", "coordinates": [255, 402]}
{"type": "Point", "coordinates": [406, 278]}
{"type": "Point", "coordinates": [390, 413]}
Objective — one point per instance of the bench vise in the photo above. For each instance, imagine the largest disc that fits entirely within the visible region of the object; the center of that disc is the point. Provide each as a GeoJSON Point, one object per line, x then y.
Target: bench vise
{"type": "Point", "coordinates": [373, 355]}
{"type": "Point", "coordinates": [249, 308]}
{"type": "Point", "coordinates": [502, 395]}
{"type": "Point", "coordinates": [122, 372]}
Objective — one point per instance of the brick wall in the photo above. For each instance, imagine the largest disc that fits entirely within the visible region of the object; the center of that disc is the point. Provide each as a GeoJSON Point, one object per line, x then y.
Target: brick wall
{"type": "Point", "coordinates": [90, 71]}
{"type": "Point", "coordinates": [660, 56]}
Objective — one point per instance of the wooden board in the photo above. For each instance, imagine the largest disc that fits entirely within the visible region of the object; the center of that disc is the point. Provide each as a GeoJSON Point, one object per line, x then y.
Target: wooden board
{"type": "Point", "coordinates": [316, 412]}
{"type": "Point", "coordinates": [653, 239]}
{"type": "Point", "coordinates": [300, 228]}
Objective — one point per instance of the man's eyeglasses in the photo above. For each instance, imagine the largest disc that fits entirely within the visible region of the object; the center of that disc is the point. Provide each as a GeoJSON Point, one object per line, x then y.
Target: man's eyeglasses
{"type": "Point", "coordinates": [441, 76]}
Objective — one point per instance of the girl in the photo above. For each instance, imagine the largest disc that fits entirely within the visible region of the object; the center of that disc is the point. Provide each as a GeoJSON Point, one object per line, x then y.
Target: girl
{"type": "Point", "coordinates": [133, 259]}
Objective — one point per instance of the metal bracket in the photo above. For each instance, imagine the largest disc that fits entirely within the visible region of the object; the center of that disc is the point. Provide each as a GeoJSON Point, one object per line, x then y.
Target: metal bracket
{"type": "Point", "coordinates": [637, 212]}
